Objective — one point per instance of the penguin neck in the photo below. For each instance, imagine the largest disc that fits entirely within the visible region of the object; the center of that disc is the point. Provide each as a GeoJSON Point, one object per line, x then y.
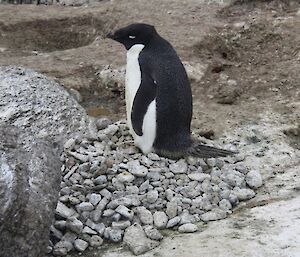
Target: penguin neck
{"type": "Point", "coordinates": [134, 50]}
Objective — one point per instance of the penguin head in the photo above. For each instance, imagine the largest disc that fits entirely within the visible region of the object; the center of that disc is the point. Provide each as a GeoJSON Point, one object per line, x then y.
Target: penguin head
{"type": "Point", "coordinates": [137, 33]}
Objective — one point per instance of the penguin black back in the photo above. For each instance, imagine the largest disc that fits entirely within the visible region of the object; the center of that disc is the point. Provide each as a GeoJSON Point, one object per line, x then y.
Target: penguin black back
{"type": "Point", "coordinates": [174, 97]}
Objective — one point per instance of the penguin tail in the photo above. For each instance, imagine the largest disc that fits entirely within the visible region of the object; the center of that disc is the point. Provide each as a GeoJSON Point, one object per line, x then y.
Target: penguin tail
{"type": "Point", "coordinates": [204, 151]}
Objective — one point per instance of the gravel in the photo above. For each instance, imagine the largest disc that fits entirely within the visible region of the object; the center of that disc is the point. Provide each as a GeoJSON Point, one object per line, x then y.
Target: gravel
{"type": "Point", "coordinates": [117, 194]}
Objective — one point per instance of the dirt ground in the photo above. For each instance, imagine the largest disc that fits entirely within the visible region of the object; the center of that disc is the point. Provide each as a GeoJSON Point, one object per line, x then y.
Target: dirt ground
{"type": "Point", "coordinates": [249, 93]}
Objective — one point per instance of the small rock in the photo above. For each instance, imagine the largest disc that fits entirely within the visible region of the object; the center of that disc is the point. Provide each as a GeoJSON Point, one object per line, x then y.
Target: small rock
{"type": "Point", "coordinates": [171, 210]}
{"type": "Point", "coordinates": [225, 205]}
{"type": "Point", "coordinates": [74, 225]}
{"type": "Point", "coordinates": [144, 215]}
{"type": "Point", "coordinates": [80, 157]}
{"type": "Point", "coordinates": [63, 211]}
{"type": "Point", "coordinates": [136, 169]}
{"type": "Point", "coordinates": [80, 245]}
{"type": "Point", "coordinates": [85, 206]}
{"type": "Point", "coordinates": [160, 219]}
{"type": "Point", "coordinates": [153, 233]}
{"type": "Point", "coordinates": [105, 193]}
{"type": "Point", "coordinates": [146, 161]}
{"type": "Point", "coordinates": [198, 176]}
{"type": "Point", "coordinates": [110, 130]}
{"type": "Point", "coordinates": [88, 230]}
{"type": "Point", "coordinates": [186, 217]}
{"type": "Point", "coordinates": [70, 144]}
{"type": "Point", "coordinates": [254, 179]}
{"type": "Point", "coordinates": [95, 199]}
{"type": "Point", "coordinates": [60, 224]}
{"type": "Point", "coordinates": [120, 224]}
{"type": "Point", "coordinates": [62, 248]}
{"type": "Point", "coordinates": [95, 241]}
{"type": "Point", "coordinates": [179, 167]}
{"type": "Point", "coordinates": [153, 157]}
{"type": "Point", "coordinates": [215, 214]}
{"type": "Point", "coordinates": [173, 222]}
{"type": "Point", "coordinates": [244, 193]}
{"type": "Point", "coordinates": [125, 177]}
{"type": "Point", "coordinates": [188, 228]}
{"type": "Point", "coordinates": [135, 238]}
{"type": "Point", "coordinates": [100, 180]}
{"type": "Point", "coordinates": [125, 212]}
{"type": "Point", "coordinates": [115, 235]}
{"type": "Point", "coordinates": [152, 196]}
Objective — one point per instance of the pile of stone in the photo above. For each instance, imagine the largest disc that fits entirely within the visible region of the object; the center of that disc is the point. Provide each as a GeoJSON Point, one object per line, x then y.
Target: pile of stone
{"type": "Point", "coordinates": [111, 192]}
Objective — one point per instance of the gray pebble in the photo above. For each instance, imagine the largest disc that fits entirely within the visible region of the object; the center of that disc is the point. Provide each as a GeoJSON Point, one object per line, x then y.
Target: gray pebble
{"type": "Point", "coordinates": [136, 169]}
{"type": "Point", "coordinates": [144, 215]}
{"type": "Point", "coordinates": [70, 143]}
{"type": "Point", "coordinates": [135, 238]}
{"type": "Point", "coordinates": [152, 196]}
{"type": "Point", "coordinates": [125, 177]}
{"type": "Point", "coordinates": [225, 205]}
{"type": "Point", "coordinates": [95, 241]}
{"type": "Point", "coordinates": [62, 248]}
{"type": "Point", "coordinates": [85, 206]}
{"type": "Point", "coordinates": [125, 212]}
{"type": "Point", "coordinates": [95, 199]}
{"type": "Point", "coordinates": [198, 176]}
{"type": "Point", "coordinates": [80, 157]}
{"type": "Point", "coordinates": [105, 193]}
{"type": "Point", "coordinates": [115, 235]}
{"type": "Point", "coordinates": [63, 211]}
{"type": "Point", "coordinates": [153, 233]}
{"type": "Point", "coordinates": [244, 193]}
{"type": "Point", "coordinates": [254, 179]}
{"type": "Point", "coordinates": [160, 219]}
{"type": "Point", "coordinates": [173, 222]}
{"type": "Point", "coordinates": [171, 210]}
{"type": "Point", "coordinates": [179, 167]}
{"type": "Point", "coordinates": [100, 180]}
{"type": "Point", "coordinates": [88, 230]}
{"type": "Point", "coordinates": [74, 225]}
{"type": "Point", "coordinates": [215, 214]}
{"type": "Point", "coordinates": [186, 217]}
{"type": "Point", "coordinates": [153, 157]}
{"type": "Point", "coordinates": [80, 245]}
{"type": "Point", "coordinates": [121, 224]}
{"type": "Point", "coordinates": [188, 228]}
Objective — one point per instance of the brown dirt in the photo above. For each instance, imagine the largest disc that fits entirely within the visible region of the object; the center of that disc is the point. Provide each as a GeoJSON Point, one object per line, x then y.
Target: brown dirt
{"type": "Point", "coordinates": [254, 43]}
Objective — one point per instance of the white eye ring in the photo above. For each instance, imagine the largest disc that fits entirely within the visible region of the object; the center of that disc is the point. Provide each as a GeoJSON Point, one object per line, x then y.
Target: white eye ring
{"type": "Point", "coordinates": [131, 37]}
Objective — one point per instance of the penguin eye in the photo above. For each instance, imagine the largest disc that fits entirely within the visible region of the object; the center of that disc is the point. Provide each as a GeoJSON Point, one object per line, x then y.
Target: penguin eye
{"type": "Point", "coordinates": [132, 37]}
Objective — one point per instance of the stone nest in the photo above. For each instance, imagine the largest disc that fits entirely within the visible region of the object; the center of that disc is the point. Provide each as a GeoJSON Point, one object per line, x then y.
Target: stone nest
{"type": "Point", "coordinates": [110, 192]}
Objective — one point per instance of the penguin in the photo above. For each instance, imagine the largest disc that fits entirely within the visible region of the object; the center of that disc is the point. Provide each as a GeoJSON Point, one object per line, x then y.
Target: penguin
{"type": "Point", "coordinates": [158, 96]}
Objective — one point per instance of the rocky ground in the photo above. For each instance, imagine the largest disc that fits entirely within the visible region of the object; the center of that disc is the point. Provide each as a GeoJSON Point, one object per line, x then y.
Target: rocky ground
{"type": "Point", "coordinates": [243, 60]}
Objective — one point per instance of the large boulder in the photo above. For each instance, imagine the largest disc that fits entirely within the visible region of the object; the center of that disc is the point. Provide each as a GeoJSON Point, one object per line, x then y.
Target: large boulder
{"type": "Point", "coordinates": [29, 186]}
{"type": "Point", "coordinates": [36, 117]}
{"type": "Point", "coordinates": [39, 106]}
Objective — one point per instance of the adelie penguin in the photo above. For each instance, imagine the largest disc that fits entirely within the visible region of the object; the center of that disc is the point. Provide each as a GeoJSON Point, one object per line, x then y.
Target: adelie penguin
{"type": "Point", "coordinates": [158, 96]}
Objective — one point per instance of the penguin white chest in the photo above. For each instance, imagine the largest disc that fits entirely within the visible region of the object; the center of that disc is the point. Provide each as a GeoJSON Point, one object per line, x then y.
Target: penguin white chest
{"type": "Point", "coordinates": [133, 82]}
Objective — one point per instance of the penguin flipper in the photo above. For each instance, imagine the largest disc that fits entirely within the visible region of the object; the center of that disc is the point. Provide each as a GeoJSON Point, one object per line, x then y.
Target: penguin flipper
{"type": "Point", "coordinates": [144, 96]}
{"type": "Point", "coordinates": [204, 151]}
